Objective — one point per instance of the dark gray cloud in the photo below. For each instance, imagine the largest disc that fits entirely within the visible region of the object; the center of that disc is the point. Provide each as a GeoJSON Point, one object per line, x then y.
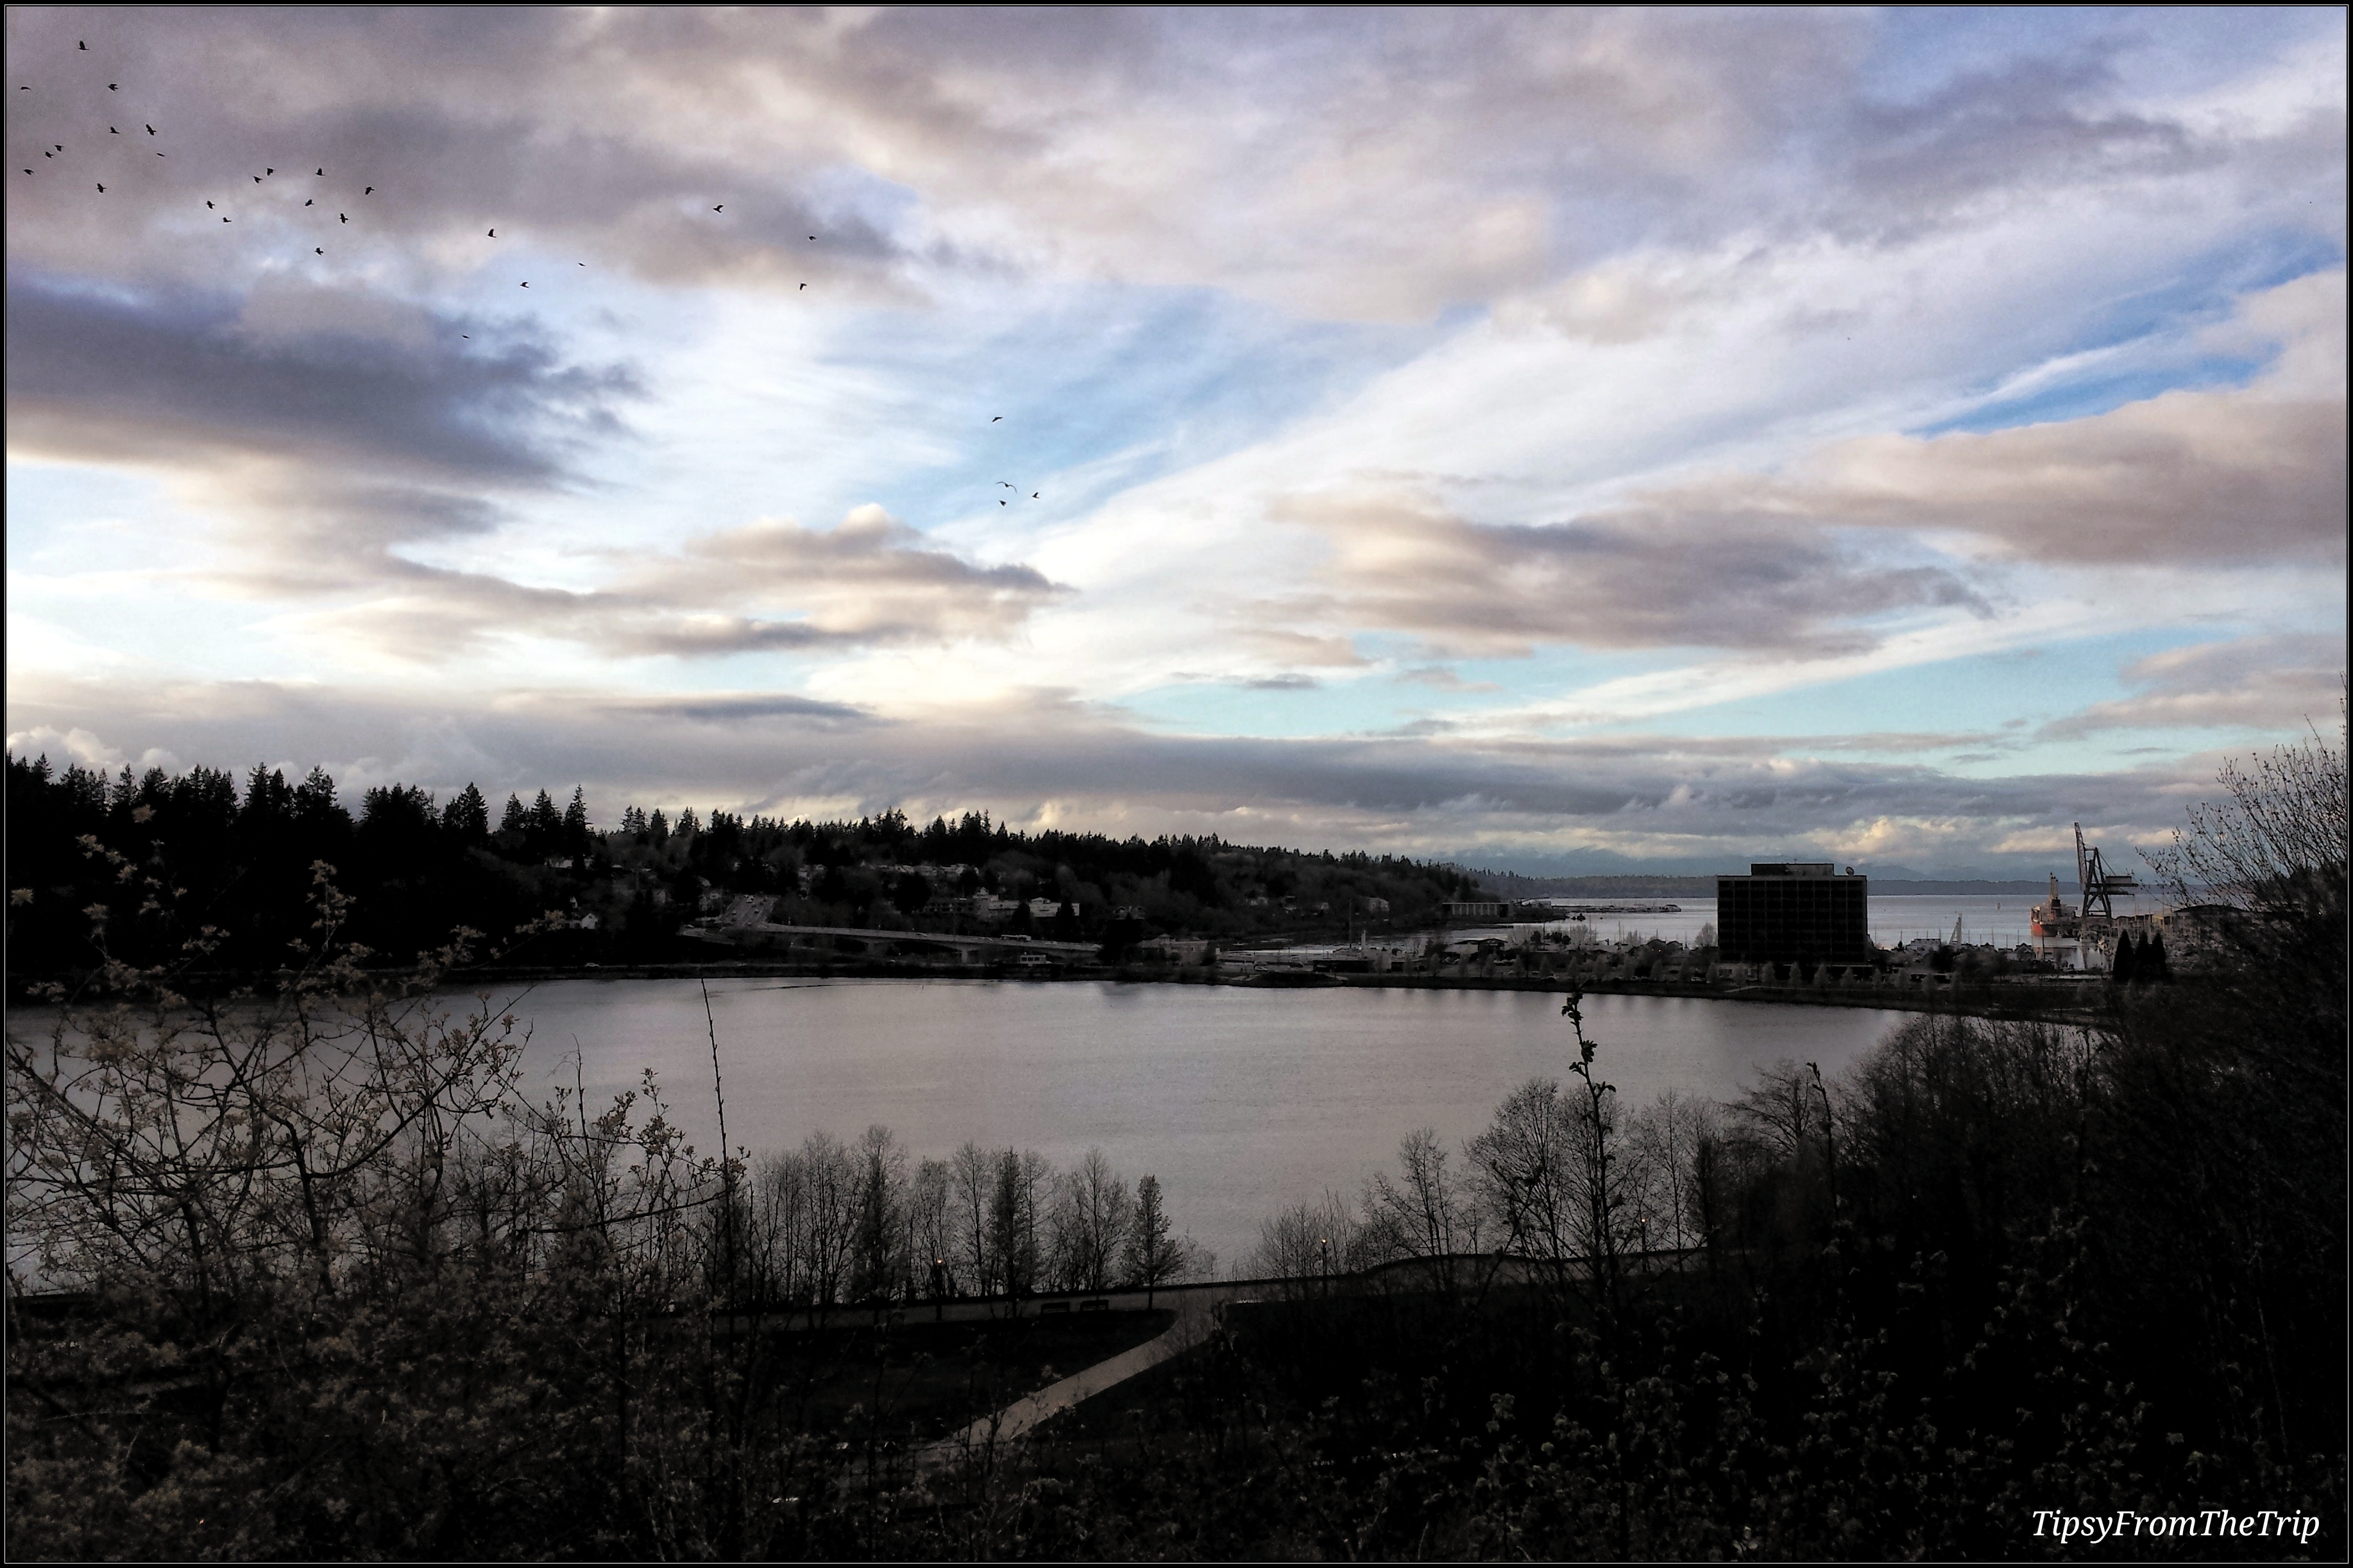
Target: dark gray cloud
{"type": "Point", "coordinates": [1627, 579]}
{"type": "Point", "coordinates": [1357, 163]}
{"type": "Point", "coordinates": [177, 376]}
{"type": "Point", "coordinates": [553, 129]}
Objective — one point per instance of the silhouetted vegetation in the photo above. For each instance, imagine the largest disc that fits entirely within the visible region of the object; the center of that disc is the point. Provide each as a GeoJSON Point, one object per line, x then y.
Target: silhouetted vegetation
{"type": "Point", "coordinates": [342, 1293]}
{"type": "Point", "coordinates": [416, 868]}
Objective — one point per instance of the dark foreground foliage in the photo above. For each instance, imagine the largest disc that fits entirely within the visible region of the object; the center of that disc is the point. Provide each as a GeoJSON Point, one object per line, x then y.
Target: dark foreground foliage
{"type": "Point", "coordinates": [347, 1295]}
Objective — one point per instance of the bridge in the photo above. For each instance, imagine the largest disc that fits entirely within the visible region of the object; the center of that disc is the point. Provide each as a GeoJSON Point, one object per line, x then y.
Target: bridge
{"type": "Point", "coordinates": [963, 949]}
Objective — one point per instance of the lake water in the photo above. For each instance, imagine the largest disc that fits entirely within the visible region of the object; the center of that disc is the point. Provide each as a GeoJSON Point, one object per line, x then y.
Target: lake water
{"type": "Point", "coordinates": [1241, 1100]}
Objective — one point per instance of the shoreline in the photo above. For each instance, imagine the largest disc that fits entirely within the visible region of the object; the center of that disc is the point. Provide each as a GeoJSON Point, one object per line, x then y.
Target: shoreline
{"type": "Point", "coordinates": [2077, 1003]}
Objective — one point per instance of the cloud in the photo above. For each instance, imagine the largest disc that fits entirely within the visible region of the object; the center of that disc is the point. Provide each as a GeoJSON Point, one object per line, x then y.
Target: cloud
{"type": "Point", "coordinates": [1375, 165]}
{"type": "Point", "coordinates": [1280, 683]}
{"type": "Point", "coordinates": [2257, 472]}
{"type": "Point", "coordinates": [1404, 563]}
{"type": "Point", "coordinates": [1443, 678]}
{"type": "Point", "coordinates": [180, 377]}
{"type": "Point", "coordinates": [1045, 759]}
{"type": "Point", "coordinates": [2277, 682]}
{"type": "Point", "coordinates": [771, 586]}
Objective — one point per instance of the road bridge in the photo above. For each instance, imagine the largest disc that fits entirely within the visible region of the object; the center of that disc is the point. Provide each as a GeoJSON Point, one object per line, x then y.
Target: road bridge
{"type": "Point", "coordinates": [964, 948]}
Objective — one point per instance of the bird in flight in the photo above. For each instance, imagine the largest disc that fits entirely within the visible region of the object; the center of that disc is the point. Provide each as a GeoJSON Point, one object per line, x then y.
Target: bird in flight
{"type": "Point", "coordinates": [1001, 503]}
{"type": "Point", "coordinates": [1033, 495]}
{"type": "Point", "coordinates": [316, 251]}
{"type": "Point", "coordinates": [269, 171]}
{"type": "Point", "coordinates": [803, 285]}
{"type": "Point", "coordinates": [224, 220]}
{"type": "Point", "coordinates": [101, 190]}
{"type": "Point", "coordinates": [151, 130]}
{"type": "Point", "coordinates": [84, 45]}
{"type": "Point", "coordinates": [341, 218]}
{"type": "Point", "coordinates": [494, 234]}
{"type": "Point", "coordinates": [994, 417]}
{"type": "Point", "coordinates": [1006, 483]}
{"type": "Point", "coordinates": [369, 191]}
{"type": "Point", "coordinates": [306, 202]}
{"type": "Point", "coordinates": [257, 179]}
{"type": "Point", "coordinates": [110, 86]}
{"type": "Point", "coordinates": [111, 131]}
{"type": "Point", "coordinates": [720, 209]}
{"type": "Point", "coordinates": [208, 206]}
{"type": "Point", "coordinates": [526, 285]}
{"type": "Point", "coordinates": [322, 172]}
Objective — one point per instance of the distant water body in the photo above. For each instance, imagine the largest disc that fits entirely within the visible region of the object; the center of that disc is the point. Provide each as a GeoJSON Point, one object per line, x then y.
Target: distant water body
{"type": "Point", "coordinates": [1242, 1101]}
{"type": "Point", "coordinates": [1998, 918]}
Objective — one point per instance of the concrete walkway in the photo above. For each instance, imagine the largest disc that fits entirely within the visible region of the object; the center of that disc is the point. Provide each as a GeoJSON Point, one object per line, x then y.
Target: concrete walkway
{"type": "Point", "coordinates": [1195, 1309]}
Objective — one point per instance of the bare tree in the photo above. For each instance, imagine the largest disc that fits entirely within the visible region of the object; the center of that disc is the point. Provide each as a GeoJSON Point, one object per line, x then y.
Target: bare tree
{"type": "Point", "coordinates": [879, 1264]}
{"type": "Point", "coordinates": [972, 1172]}
{"type": "Point", "coordinates": [1664, 1142]}
{"type": "Point", "coordinates": [1155, 1254]}
{"type": "Point", "coordinates": [1089, 1224]}
{"type": "Point", "coordinates": [930, 1220]}
{"type": "Point", "coordinates": [1426, 1215]}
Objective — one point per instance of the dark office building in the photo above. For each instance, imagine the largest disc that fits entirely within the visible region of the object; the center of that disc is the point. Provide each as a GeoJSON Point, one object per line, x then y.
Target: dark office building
{"type": "Point", "coordinates": [1793, 910]}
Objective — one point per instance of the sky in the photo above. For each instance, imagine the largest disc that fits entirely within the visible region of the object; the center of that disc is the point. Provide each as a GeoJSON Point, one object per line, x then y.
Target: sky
{"type": "Point", "coordinates": [1556, 441]}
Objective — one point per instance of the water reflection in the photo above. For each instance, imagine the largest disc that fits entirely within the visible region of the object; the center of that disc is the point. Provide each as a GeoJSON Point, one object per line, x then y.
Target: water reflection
{"type": "Point", "coordinates": [1239, 1100]}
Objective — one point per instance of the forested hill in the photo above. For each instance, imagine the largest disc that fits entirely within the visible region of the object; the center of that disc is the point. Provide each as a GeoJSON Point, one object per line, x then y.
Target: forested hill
{"type": "Point", "coordinates": [239, 860]}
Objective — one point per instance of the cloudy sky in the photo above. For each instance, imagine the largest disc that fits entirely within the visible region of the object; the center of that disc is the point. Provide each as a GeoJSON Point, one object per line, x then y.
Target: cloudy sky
{"type": "Point", "coordinates": [1555, 439]}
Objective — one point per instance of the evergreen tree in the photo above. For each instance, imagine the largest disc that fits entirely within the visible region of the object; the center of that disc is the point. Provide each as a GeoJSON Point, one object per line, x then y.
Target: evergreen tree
{"type": "Point", "coordinates": [2123, 971]}
{"type": "Point", "coordinates": [318, 815]}
{"type": "Point", "coordinates": [1154, 1253]}
{"type": "Point", "coordinates": [516, 818]}
{"type": "Point", "coordinates": [575, 824]}
{"type": "Point", "coordinates": [2152, 959]}
{"type": "Point", "coordinates": [658, 827]}
{"type": "Point", "coordinates": [546, 825]}
{"type": "Point", "coordinates": [467, 818]}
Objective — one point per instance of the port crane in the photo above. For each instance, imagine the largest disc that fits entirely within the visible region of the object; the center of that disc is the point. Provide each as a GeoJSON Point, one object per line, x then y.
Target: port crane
{"type": "Point", "coordinates": [2099, 884]}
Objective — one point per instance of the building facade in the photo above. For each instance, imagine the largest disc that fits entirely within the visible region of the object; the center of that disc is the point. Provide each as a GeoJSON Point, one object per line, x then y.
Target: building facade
{"type": "Point", "coordinates": [1793, 912]}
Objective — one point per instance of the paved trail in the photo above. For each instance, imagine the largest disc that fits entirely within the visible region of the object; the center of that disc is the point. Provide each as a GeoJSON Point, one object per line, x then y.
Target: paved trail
{"type": "Point", "coordinates": [1195, 1306]}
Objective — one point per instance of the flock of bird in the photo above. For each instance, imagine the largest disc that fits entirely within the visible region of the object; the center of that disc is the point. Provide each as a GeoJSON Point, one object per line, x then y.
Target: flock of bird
{"type": "Point", "coordinates": [57, 150]}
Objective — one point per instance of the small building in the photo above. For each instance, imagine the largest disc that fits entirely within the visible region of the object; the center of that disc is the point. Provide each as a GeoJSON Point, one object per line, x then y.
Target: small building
{"type": "Point", "coordinates": [1462, 910]}
{"type": "Point", "coordinates": [1793, 912]}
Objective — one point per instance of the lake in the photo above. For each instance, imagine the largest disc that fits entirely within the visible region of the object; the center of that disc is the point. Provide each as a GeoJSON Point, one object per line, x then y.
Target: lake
{"type": "Point", "coordinates": [1241, 1100]}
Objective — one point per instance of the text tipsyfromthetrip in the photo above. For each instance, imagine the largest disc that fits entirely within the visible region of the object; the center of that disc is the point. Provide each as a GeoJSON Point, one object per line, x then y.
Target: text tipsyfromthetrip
{"type": "Point", "coordinates": [2095, 1528]}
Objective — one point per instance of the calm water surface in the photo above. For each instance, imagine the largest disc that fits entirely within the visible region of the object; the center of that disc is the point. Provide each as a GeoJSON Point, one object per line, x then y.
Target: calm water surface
{"type": "Point", "coordinates": [1242, 1101]}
